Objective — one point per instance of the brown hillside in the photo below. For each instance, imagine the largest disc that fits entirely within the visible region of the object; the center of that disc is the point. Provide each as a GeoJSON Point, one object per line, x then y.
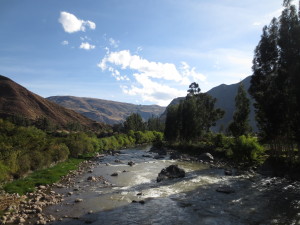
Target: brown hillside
{"type": "Point", "coordinates": [109, 112]}
{"type": "Point", "coordinates": [17, 100]}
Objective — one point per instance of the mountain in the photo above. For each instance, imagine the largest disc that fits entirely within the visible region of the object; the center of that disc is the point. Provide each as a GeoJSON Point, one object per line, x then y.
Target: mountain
{"type": "Point", "coordinates": [17, 100]}
{"type": "Point", "coordinates": [225, 95]}
{"type": "Point", "coordinates": [110, 112]}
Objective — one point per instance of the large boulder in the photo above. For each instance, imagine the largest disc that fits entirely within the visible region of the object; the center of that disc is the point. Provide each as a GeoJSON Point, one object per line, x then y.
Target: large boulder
{"type": "Point", "coordinates": [206, 157]}
{"type": "Point", "coordinates": [170, 172]}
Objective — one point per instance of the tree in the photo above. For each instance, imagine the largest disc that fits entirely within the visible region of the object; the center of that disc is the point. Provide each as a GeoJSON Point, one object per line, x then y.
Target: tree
{"type": "Point", "coordinates": [155, 124]}
{"type": "Point", "coordinates": [171, 131]}
{"type": "Point", "coordinates": [134, 122]}
{"type": "Point", "coordinates": [193, 89]}
{"type": "Point", "coordinates": [275, 82]}
{"type": "Point", "coordinates": [193, 117]}
{"type": "Point", "coordinates": [240, 125]}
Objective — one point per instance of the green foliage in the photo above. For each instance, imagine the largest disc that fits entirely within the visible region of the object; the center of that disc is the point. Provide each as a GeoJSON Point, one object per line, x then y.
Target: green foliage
{"type": "Point", "coordinates": [130, 139]}
{"type": "Point", "coordinates": [44, 123]}
{"type": "Point", "coordinates": [172, 126]}
{"type": "Point", "coordinates": [42, 177]}
{"type": "Point", "coordinates": [80, 143]}
{"type": "Point", "coordinates": [275, 83]}
{"type": "Point", "coordinates": [134, 122]}
{"type": "Point", "coordinates": [193, 117]}
{"type": "Point", "coordinates": [25, 149]}
{"type": "Point", "coordinates": [246, 149]}
{"type": "Point", "coordinates": [218, 145]}
{"type": "Point", "coordinates": [4, 172]}
{"type": "Point", "coordinates": [240, 125]}
{"type": "Point", "coordinates": [155, 124]}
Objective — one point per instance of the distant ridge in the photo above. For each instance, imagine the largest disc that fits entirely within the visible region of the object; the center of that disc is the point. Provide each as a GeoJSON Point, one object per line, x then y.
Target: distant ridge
{"type": "Point", "coordinates": [110, 112]}
{"type": "Point", "coordinates": [17, 100]}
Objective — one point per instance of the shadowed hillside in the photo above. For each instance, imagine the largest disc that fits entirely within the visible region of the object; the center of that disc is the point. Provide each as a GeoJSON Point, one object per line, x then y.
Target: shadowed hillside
{"type": "Point", "coordinates": [110, 112]}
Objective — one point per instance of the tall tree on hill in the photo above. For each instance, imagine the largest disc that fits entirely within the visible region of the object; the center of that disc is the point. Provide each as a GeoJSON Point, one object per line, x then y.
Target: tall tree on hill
{"type": "Point", "coordinates": [275, 81]}
{"type": "Point", "coordinates": [240, 125]}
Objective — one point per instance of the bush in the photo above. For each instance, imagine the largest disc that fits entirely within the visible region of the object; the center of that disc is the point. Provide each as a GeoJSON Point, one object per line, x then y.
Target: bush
{"type": "Point", "coordinates": [59, 152]}
{"type": "Point", "coordinates": [3, 172]}
{"type": "Point", "coordinates": [246, 149]}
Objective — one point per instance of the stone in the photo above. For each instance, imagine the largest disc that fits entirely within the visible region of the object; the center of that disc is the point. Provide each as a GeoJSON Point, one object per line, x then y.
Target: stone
{"type": "Point", "coordinates": [21, 220]}
{"type": "Point", "coordinates": [206, 157]}
{"type": "Point", "coordinates": [77, 200]}
{"type": "Point", "coordinates": [228, 172]}
{"type": "Point", "coordinates": [174, 156]}
{"type": "Point", "coordinates": [91, 178]}
{"type": "Point", "coordinates": [52, 218]}
{"type": "Point", "coordinates": [159, 157]}
{"type": "Point", "coordinates": [225, 189]}
{"type": "Point", "coordinates": [131, 163]}
{"type": "Point", "coordinates": [114, 174]}
{"type": "Point", "coordinates": [38, 209]}
{"type": "Point", "coordinates": [141, 201]}
{"type": "Point", "coordinates": [42, 187]}
{"type": "Point", "coordinates": [170, 172]}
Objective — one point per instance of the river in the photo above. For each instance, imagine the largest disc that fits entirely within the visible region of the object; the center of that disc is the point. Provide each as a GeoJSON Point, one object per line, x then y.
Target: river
{"type": "Point", "coordinates": [189, 200]}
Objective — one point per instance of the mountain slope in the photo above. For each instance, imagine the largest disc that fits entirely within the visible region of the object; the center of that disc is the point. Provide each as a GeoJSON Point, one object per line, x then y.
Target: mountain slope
{"type": "Point", "coordinates": [225, 95]}
{"type": "Point", "coordinates": [17, 100]}
{"type": "Point", "coordinates": [110, 112]}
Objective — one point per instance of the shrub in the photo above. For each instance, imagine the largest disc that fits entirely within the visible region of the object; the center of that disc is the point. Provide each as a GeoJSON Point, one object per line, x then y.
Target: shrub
{"type": "Point", "coordinates": [246, 149]}
{"type": "Point", "coordinates": [59, 152]}
{"type": "Point", "coordinates": [4, 172]}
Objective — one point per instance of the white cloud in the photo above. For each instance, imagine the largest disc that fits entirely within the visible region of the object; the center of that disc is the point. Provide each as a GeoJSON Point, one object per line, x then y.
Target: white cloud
{"type": "Point", "coordinates": [114, 43]}
{"type": "Point", "coordinates": [64, 42]}
{"type": "Point", "coordinates": [87, 46]}
{"type": "Point", "coordinates": [265, 19]}
{"type": "Point", "coordinates": [85, 38]}
{"type": "Point", "coordinates": [72, 24]}
{"type": "Point", "coordinates": [151, 79]}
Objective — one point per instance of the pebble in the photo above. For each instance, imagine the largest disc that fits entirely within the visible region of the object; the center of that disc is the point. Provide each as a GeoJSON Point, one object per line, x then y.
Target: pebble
{"type": "Point", "coordinates": [77, 200]}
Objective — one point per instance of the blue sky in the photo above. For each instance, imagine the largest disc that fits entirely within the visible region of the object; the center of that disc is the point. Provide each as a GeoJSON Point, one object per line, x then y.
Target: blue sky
{"type": "Point", "coordinates": [137, 51]}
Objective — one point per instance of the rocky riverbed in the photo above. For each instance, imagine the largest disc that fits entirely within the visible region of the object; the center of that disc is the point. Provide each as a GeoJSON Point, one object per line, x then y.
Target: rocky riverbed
{"type": "Point", "coordinates": [122, 188]}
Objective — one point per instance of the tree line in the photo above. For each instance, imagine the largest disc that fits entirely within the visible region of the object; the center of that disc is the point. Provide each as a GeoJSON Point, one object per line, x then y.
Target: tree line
{"type": "Point", "coordinates": [24, 149]}
{"type": "Point", "coordinates": [275, 84]}
{"type": "Point", "coordinates": [275, 88]}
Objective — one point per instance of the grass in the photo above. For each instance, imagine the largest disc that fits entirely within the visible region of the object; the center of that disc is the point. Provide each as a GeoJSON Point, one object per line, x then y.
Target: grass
{"type": "Point", "coordinates": [42, 177]}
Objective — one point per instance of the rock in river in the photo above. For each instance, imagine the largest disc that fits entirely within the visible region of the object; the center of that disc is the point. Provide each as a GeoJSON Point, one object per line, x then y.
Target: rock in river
{"type": "Point", "coordinates": [170, 172]}
{"type": "Point", "coordinates": [206, 157]}
{"type": "Point", "coordinates": [225, 189]}
{"type": "Point", "coordinates": [131, 163]}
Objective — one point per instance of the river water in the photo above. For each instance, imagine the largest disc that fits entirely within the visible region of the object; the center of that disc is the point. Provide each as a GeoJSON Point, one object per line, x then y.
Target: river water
{"type": "Point", "coordinates": [189, 200]}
